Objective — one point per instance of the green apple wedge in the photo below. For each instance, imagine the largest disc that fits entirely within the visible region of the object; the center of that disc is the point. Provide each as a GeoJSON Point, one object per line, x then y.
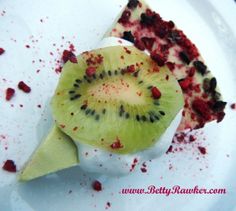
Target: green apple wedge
{"type": "Point", "coordinates": [55, 153]}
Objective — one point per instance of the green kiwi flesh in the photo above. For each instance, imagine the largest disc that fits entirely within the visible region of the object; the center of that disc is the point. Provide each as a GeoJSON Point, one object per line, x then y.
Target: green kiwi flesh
{"type": "Point", "coordinates": [113, 109]}
{"type": "Point", "coordinates": [55, 153]}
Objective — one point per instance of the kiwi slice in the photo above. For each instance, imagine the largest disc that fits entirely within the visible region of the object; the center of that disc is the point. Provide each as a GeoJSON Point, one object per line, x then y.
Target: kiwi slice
{"type": "Point", "coordinates": [56, 152]}
{"type": "Point", "coordinates": [117, 99]}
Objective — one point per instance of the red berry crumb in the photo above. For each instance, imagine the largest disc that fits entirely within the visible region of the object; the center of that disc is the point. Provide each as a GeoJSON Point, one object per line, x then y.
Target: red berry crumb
{"type": "Point", "coordinates": [97, 186]}
{"type": "Point", "coordinates": [1, 51]}
{"type": "Point", "coordinates": [24, 87]}
{"type": "Point", "coordinates": [202, 108]}
{"type": "Point", "coordinates": [90, 71]}
{"type": "Point", "coordinates": [9, 93]}
{"type": "Point", "coordinates": [233, 106]}
{"type": "Point", "coordinates": [185, 83]}
{"type": "Point", "coordinates": [116, 144]}
{"type": "Point", "coordinates": [159, 59]}
{"type": "Point", "coordinates": [131, 69]}
{"type": "Point", "coordinates": [10, 166]}
{"type": "Point", "coordinates": [69, 55]}
{"type": "Point", "coordinates": [202, 150]}
{"type": "Point", "coordinates": [192, 138]}
{"type": "Point", "coordinates": [156, 94]}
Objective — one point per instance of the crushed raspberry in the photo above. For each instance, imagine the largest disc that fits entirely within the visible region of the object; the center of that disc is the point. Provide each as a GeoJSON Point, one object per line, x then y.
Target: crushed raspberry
{"type": "Point", "coordinates": [69, 55]}
{"type": "Point", "coordinates": [139, 44]}
{"type": "Point", "coordinates": [233, 106]}
{"type": "Point", "coordinates": [96, 185]}
{"type": "Point", "coordinates": [9, 166]}
{"type": "Point", "coordinates": [117, 144]}
{"type": "Point", "coordinates": [90, 71]}
{"type": "Point", "coordinates": [162, 30]}
{"type": "Point", "coordinates": [131, 69]}
{"type": "Point", "coordinates": [202, 108]}
{"type": "Point", "coordinates": [24, 87]}
{"type": "Point", "coordinates": [156, 94]}
{"type": "Point", "coordinates": [1, 51]}
{"type": "Point", "coordinates": [185, 83]}
{"type": "Point", "coordinates": [170, 65]}
{"type": "Point", "coordinates": [148, 42]}
{"type": "Point", "coordinates": [191, 72]}
{"type": "Point", "coordinates": [147, 19]}
{"type": "Point", "coordinates": [159, 59]}
{"type": "Point", "coordinates": [202, 150]}
{"type": "Point", "coordinates": [125, 17]}
{"type": "Point", "coordinates": [9, 93]}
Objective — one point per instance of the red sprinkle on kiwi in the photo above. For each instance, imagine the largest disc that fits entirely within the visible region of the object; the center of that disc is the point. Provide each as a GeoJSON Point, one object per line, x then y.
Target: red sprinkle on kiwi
{"type": "Point", "coordinates": [156, 94]}
{"type": "Point", "coordinates": [116, 144]}
{"type": "Point", "coordinates": [90, 71]}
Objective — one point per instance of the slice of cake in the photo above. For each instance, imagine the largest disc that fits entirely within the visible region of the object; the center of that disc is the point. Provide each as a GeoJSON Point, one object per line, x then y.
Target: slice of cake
{"type": "Point", "coordinates": [169, 46]}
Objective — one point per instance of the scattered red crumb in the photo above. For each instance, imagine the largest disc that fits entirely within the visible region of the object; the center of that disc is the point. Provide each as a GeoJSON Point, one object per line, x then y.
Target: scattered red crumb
{"type": "Point", "coordinates": [69, 55]}
{"type": "Point", "coordinates": [156, 94]}
{"type": "Point", "coordinates": [90, 71]}
{"type": "Point", "coordinates": [202, 150]}
{"type": "Point", "coordinates": [170, 149]}
{"type": "Point", "coordinates": [131, 69]}
{"type": "Point", "coordinates": [96, 185]}
{"type": "Point", "coordinates": [9, 93]}
{"type": "Point", "coordinates": [135, 161]}
{"type": "Point", "coordinates": [192, 138]}
{"type": "Point", "coordinates": [58, 69]}
{"type": "Point", "coordinates": [1, 51]}
{"type": "Point", "coordinates": [9, 166]}
{"type": "Point", "coordinates": [27, 46]}
{"type": "Point", "coordinates": [24, 87]}
{"type": "Point", "coordinates": [94, 59]}
{"type": "Point", "coordinates": [233, 106]}
{"type": "Point", "coordinates": [116, 144]}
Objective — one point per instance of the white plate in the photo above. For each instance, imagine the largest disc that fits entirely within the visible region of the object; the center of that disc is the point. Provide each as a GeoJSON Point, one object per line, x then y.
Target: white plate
{"type": "Point", "coordinates": [210, 24]}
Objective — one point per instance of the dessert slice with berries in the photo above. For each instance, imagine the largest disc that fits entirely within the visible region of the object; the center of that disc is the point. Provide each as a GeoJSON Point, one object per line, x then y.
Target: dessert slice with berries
{"type": "Point", "coordinates": [169, 46]}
